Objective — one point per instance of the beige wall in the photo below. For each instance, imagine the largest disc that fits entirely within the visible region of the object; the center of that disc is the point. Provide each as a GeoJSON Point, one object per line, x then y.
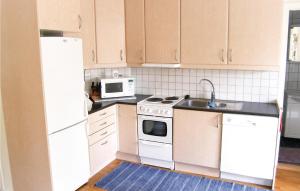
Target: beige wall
{"type": "Point", "coordinates": [22, 97]}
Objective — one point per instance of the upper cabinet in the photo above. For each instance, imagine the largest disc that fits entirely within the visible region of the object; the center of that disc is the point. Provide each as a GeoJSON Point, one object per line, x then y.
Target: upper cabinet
{"type": "Point", "coordinates": [135, 32]}
{"type": "Point", "coordinates": [162, 22]}
{"type": "Point", "coordinates": [88, 33]}
{"type": "Point", "coordinates": [204, 32]}
{"type": "Point", "coordinates": [254, 32]}
{"type": "Point", "coordinates": [110, 32]}
{"type": "Point", "coordinates": [59, 15]}
{"type": "Point", "coordinates": [231, 34]}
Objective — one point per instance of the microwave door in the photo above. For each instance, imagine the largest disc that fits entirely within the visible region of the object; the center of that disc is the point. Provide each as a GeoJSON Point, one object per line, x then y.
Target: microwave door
{"type": "Point", "coordinates": [112, 89]}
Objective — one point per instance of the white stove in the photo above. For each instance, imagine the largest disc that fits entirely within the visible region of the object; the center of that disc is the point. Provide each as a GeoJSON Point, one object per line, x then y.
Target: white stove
{"type": "Point", "coordinates": [155, 130]}
{"type": "Point", "coordinates": [158, 106]}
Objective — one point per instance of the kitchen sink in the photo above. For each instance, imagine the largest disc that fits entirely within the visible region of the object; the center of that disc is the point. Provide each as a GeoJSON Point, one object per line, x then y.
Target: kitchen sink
{"type": "Point", "coordinates": [203, 103]}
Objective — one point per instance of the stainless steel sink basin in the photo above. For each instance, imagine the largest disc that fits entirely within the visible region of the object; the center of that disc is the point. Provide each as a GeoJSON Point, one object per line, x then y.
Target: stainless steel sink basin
{"type": "Point", "coordinates": [202, 103]}
{"type": "Point", "coordinates": [195, 103]}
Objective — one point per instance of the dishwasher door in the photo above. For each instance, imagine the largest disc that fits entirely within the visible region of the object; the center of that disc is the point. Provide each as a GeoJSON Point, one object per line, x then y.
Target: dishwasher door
{"type": "Point", "coordinates": [292, 120]}
{"type": "Point", "coordinates": [249, 145]}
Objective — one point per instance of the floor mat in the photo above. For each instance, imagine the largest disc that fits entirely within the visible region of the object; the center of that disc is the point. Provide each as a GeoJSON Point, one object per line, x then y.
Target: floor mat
{"type": "Point", "coordinates": [137, 177]}
{"type": "Point", "coordinates": [289, 155]}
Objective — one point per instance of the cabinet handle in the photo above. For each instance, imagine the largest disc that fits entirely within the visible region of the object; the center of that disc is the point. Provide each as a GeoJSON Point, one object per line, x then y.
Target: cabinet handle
{"type": "Point", "coordinates": [218, 121]}
{"type": "Point", "coordinates": [103, 114]}
{"type": "Point", "coordinates": [142, 56]}
{"type": "Point", "coordinates": [104, 143]}
{"type": "Point", "coordinates": [103, 124]}
{"type": "Point", "coordinates": [230, 55]}
{"type": "Point", "coordinates": [104, 133]}
{"type": "Point", "coordinates": [121, 55]}
{"type": "Point", "coordinates": [93, 55]}
{"type": "Point", "coordinates": [79, 22]}
{"type": "Point", "coordinates": [176, 55]}
{"type": "Point", "coordinates": [222, 55]}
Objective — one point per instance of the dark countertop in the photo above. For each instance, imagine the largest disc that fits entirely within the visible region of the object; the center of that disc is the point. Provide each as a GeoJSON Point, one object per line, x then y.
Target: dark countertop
{"type": "Point", "coordinates": [97, 106]}
{"type": "Point", "coordinates": [248, 108]}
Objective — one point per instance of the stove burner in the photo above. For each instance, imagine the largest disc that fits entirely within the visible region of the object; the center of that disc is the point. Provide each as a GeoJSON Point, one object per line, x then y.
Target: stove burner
{"type": "Point", "coordinates": [154, 99]}
{"type": "Point", "coordinates": [172, 98]}
{"type": "Point", "coordinates": [166, 102]}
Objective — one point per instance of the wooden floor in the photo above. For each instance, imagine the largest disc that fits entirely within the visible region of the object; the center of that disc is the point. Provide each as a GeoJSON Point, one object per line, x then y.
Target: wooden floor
{"type": "Point", "coordinates": [287, 179]}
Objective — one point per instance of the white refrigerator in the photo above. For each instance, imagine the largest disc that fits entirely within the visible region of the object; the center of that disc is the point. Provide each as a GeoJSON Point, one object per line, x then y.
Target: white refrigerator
{"type": "Point", "coordinates": [66, 113]}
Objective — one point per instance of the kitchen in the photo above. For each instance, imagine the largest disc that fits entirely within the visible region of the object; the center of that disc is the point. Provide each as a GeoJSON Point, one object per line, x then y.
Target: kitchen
{"type": "Point", "coordinates": [181, 85]}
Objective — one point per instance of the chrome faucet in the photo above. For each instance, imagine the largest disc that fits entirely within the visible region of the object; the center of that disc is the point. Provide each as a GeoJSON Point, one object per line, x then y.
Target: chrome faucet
{"type": "Point", "coordinates": [212, 102]}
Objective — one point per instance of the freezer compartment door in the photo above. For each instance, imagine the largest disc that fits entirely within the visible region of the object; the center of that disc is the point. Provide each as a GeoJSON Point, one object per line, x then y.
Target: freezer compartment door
{"type": "Point", "coordinates": [69, 158]}
{"type": "Point", "coordinates": [63, 81]}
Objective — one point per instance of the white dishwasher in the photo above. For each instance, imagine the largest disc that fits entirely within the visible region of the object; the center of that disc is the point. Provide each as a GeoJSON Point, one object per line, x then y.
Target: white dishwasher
{"type": "Point", "coordinates": [249, 148]}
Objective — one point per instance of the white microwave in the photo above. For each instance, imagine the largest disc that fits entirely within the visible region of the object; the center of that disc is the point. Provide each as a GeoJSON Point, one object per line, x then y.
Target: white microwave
{"type": "Point", "coordinates": [117, 87]}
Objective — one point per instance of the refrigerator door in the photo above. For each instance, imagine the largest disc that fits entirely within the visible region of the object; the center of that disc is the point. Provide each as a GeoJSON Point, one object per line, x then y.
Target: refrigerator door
{"type": "Point", "coordinates": [68, 151]}
{"type": "Point", "coordinates": [292, 121]}
{"type": "Point", "coordinates": [63, 82]}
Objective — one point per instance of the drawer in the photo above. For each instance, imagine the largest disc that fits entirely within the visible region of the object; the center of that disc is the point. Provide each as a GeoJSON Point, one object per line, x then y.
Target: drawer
{"type": "Point", "coordinates": [102, 153]}
{"type": "Point", "coordinates": [155, 150]}
{"type": "Point", "coordinates": [102, 114]}
{"type": "Point", "coordinates": [94, 138]}
{"type": "Point", "coordinates": [101, 124]}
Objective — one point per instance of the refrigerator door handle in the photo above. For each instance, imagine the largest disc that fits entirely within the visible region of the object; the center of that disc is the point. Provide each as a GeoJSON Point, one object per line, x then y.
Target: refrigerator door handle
{"type": "Point", "coordinates": [84, 120]}
{"type": "Point", "coordinates": [85, 111]}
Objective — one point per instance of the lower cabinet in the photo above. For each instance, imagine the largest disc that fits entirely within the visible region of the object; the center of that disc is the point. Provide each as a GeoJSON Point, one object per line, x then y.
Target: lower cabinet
{"type": "Point", "coordinates": [112, 133]}
{"type": "Point", "coordinates": [102, 136]}
{"type": "Point", "coordinates": [127, 127]}
{"type": "Point", "coordinates": [102, 153]}
{"type": "Point", "coordinates": [197, 141]}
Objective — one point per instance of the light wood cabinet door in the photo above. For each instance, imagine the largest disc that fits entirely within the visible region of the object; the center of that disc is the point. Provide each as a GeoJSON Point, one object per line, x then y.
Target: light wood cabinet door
{"type": "Point", "coordinates": [204, 31]}
{"type": "Point", "coordinates": [88, 33]}
{"type": "Point", "coordinates": [127, 123]}
{"type": "Point", "coordinates": [60, 15]}
{"type": "Point", "coordinates": [255, 32]}
{"type": "Point", "coordinates": [162, 22]}
{"type": "Point", "coordinates": [197, 138]}
{"type": "Point", "coordinates": [110, 31]}
{"type": "Point", "coordinates": [135, 31]}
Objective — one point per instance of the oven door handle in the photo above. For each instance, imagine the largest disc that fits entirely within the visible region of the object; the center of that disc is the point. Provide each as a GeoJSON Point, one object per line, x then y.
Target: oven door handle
{"type": "Point", "coordinates": [154, 144]}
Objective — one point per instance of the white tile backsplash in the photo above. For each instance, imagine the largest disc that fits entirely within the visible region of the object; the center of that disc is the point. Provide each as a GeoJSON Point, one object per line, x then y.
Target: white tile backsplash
{"type": "Point", "coordinates": [239, 85]}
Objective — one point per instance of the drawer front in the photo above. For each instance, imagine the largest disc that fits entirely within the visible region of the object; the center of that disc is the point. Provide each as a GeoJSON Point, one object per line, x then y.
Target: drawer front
{"type": "Point", "coordinates": [102, 153]}
{"type": "Point", "coordinates": [94, 138]}
{"type": "Point", "coordinates": [93, 118]}
{"type": "Point", "coordinates": [155, 150]}
{"type": "Point", "coordinates": [101, 124]}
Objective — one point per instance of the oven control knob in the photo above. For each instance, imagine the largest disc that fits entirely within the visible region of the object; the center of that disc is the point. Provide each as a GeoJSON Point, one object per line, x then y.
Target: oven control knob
{"type": "Point", "coordinates": [167, 112]}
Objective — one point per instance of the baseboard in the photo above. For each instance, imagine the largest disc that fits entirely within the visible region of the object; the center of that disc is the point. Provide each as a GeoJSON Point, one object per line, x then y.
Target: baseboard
{"type": "Point", "coordinates": [241, 178]}
{"type": "Point", "coordinates": [128, 157]}
{"type": "Point", "coordinates": [195, 169]}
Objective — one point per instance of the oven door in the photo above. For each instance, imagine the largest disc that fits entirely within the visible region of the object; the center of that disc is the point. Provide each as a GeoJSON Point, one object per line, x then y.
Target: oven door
{"type": "Point", "coordinates": [157, 129]}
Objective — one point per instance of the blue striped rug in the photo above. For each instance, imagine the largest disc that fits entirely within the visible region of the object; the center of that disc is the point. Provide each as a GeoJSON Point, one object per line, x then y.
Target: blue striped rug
{"type": "Point", "coordinates": [136, 177]}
